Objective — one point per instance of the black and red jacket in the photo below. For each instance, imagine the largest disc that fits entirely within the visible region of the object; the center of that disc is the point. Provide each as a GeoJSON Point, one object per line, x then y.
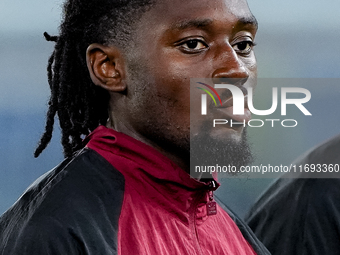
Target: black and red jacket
{"type": "Point", "coordinates": [120, 196]}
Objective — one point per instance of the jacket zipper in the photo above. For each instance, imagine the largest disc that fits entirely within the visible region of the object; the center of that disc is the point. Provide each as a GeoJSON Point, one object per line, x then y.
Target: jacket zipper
{"type": "Point", "coordinates": [211, 204]}
{"type": "Point", "coordinates": [212, 208]}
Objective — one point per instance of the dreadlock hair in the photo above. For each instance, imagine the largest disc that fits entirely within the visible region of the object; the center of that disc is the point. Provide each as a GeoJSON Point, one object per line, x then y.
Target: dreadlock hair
{"type": "Point", "coordinates": [80, 105]}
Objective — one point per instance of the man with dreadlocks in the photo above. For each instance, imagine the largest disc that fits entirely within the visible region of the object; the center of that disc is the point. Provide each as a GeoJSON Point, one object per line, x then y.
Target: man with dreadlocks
{"type": "Point", "coordinates": [119, 79]}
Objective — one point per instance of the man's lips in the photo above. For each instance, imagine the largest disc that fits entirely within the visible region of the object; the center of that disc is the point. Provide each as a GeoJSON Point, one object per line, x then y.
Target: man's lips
{"type": "Point", "coordinates": [239, 118]}
{"type": "Point", "coordinates": [228, 109]}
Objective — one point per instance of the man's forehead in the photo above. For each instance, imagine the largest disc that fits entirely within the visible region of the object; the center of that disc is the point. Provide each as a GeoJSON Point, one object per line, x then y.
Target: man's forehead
{"type": "Point", "coordinates": [234, 6]}
{"type": "Point", "coordinates": [201, 13]}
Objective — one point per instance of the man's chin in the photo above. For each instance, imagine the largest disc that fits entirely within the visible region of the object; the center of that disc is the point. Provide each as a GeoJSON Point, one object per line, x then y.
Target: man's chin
{"type": "Point", "coordinates": [231, 150]}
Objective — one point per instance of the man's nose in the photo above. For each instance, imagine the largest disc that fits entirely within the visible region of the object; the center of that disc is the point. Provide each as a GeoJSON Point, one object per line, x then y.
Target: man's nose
{"type": "Point", "coordinates": [229, 68]}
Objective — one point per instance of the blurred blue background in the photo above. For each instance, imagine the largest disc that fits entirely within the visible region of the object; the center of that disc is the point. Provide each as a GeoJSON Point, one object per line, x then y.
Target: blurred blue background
{"type": "Point", "coordinates": [296, 39]}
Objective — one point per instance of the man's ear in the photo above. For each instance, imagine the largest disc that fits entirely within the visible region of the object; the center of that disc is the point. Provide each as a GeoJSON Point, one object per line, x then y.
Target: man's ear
{"type": "Point", "coordinates": [106, 67]}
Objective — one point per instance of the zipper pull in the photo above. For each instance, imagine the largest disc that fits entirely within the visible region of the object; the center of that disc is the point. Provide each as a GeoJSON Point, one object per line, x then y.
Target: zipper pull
{"type": "Point", "coordinates": [211, 205]}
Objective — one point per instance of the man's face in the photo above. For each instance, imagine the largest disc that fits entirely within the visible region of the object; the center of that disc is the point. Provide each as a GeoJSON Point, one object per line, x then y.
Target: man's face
{"type": "Point", "coordinates": [177, 40]}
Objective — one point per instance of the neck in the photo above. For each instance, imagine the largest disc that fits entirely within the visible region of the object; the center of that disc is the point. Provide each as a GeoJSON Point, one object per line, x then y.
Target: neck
{"type": "Point", "coordinates": [180, 157]}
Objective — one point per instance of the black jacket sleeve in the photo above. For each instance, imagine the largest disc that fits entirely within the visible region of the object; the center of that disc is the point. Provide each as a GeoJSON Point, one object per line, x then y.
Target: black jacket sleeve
{"type": "Point", "coordinates": [73, 209]}
{"type": "Point", "coordinates": [46, 237]}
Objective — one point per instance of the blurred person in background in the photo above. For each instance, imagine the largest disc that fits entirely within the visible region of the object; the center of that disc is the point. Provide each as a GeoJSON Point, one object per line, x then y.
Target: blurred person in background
{"type": "Point", "coordinates": [299, 213]}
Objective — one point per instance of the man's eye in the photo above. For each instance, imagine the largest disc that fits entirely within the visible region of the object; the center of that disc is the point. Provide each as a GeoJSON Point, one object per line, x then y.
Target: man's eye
{"type": "Point", "coordinates": [193, 46]}
{"type": "Point", "coordinates": [244, 47]}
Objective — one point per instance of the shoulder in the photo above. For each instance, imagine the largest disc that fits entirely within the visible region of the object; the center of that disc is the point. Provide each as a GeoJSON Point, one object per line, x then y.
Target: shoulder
{"type": "Point", "coordinates": [299, 215]}
{"type": "Point", "coordinates": [289, 196]}
{"type": "Point", "coordinates": [300, 188]}
{"type": "Point", "coordinates": [75, 202]}
{"type": "Point", "coordinates": [326, 152]}
{"type": "Point", "coordinates": [47, 236]}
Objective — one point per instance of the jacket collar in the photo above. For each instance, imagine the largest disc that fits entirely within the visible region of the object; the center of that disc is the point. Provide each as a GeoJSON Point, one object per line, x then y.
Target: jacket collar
{"type": "Point", "coordinates": [107, 141]}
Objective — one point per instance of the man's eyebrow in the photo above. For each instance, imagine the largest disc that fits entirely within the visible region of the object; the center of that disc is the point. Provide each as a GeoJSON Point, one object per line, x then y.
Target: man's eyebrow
{"type": "Point", "coordinates": [199, 23]}
{"type": "Point", "coordinates": [248, 20]}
